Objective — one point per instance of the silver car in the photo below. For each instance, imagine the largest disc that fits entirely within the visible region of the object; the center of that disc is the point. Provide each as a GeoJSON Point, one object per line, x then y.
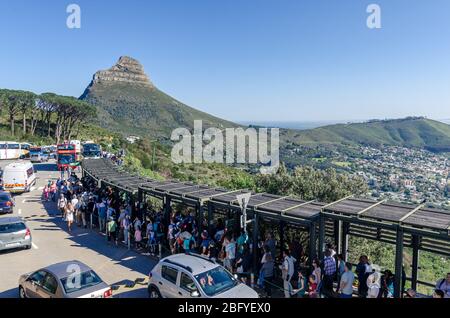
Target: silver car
{"type": "Point", "coordinates": [14, 233]}
{"type": "Point", "coordinates": [72, 279]}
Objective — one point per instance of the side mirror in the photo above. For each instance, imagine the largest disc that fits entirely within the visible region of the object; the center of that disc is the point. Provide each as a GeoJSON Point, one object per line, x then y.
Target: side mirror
{"type": "Point", "coordinates": [236, 276]}
{"type": "Point", "coordinates": [195, 294]}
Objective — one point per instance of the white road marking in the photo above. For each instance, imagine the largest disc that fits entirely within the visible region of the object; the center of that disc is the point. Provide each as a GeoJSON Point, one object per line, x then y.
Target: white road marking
{"type": "Point", "coordinates": [19, 212]}
{"type": "Point", "coordinates": [34, 246]}
{"type": "Point", "coordinates": [32, 188]}
{"type": "Point", "coordinates": [40, 188]}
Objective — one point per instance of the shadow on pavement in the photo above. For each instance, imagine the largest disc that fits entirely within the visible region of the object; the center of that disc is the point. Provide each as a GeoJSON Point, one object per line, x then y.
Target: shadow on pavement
{"type": "Point", "coordinates": [93, 240]}
{"type": "Point", "coordinates": [45, 167]}
{"type": "Point", "coordinates": [10, 293]}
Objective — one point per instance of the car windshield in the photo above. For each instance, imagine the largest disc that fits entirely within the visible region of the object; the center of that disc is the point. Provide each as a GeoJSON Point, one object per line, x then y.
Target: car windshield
{"type": "Point", "coordinates": [215, 281]}
{"type": "Point", "coordinates": [12, 227]}
{"type": "Point", "coordinates": [66, 159]}
{"type": "Point", "coordinates": [86, 279]}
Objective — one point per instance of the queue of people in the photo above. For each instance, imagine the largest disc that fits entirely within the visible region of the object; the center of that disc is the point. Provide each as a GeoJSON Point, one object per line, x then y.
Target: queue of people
{"type": "Point", "coordinates": [83, 203]}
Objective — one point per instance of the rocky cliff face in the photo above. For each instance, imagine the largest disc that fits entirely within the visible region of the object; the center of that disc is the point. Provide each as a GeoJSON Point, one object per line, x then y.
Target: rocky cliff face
{"type": "Point", "coordinates": [126, 70]}
{"type": "Point", "coordinates": [128, 102]}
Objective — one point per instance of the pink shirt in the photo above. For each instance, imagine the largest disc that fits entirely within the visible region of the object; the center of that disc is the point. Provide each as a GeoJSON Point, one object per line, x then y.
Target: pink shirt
{"type": "Point", "coordinates": [137, 236]}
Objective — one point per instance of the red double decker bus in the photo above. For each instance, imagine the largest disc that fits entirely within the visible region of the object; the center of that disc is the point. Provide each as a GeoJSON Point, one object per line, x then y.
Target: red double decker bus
{"type": "Point", "coordinates": [67, 157]}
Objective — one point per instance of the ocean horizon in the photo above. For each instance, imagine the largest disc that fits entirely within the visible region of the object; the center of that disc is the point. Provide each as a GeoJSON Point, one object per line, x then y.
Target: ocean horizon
{"type": "Point", "coordinates": [303, 125]}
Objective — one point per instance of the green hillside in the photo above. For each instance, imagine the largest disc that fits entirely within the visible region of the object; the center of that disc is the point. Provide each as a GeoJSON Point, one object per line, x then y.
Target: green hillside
{"type": "Point", "coordinates": [144, 111]}
{"type": "Point", "coordinates": [413, 132]}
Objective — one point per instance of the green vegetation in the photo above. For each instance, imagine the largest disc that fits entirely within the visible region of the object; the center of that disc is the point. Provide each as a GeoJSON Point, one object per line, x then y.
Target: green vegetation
{"type": "Point", "coordinates": [432, 266]}
{"type": "Point", "coordinates": [144, 111]}
{"type": "Point", "coordinates": [413, 132]}
{"type": "Point", "coordinates": [55, 117]}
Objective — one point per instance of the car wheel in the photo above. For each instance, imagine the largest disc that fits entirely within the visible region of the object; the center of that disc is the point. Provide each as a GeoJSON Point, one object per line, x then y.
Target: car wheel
{"type": "Point", "coordinates": [28, 247]}
{"type": "Point", "coordinates": [153, 292]}
{"type": "Point", "coordinates": [22, 293]}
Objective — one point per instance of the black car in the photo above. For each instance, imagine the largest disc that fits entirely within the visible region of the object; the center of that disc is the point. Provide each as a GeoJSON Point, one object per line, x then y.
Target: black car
{"type": "Point", "coordinates": [6, 203]}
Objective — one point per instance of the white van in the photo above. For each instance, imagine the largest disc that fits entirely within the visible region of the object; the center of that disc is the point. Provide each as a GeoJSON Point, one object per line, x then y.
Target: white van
{"type": "Point", "coordinates": [19, 176]}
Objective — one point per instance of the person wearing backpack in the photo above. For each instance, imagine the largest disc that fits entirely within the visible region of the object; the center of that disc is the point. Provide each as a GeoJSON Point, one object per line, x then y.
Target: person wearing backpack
{"type": "Point", "coordinates": [444, 285]}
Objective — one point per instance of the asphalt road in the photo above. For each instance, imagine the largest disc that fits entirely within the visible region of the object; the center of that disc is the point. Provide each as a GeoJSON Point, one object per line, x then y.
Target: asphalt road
{"type": "Point", "coordinates": [52, 243]}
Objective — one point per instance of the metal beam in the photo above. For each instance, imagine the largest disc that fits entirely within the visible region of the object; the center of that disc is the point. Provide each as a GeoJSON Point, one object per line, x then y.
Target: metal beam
{"type": "Point", "coordinates": [312, 244]}
{"type": "Point", "coordinates": [411, 213]}
{"type": "Point", "coordinates": [321, 235]}
{"type": "Point", "coordinates": [415, 262]}
{"type": "Point", "coordinates": [335, 202]}
{"type": "Point", "coordinates": [398, 264]}
{"type": "Point", "coordinates": [370, 207]}
{"type": "Point", "coordinates": [296, 206]}
{"type": "Point", "coordinates": [255, 244]}
{"type": "Point", "coordinates": [271, 201]}
{"type": "Point", "coordinates": [187, 193]}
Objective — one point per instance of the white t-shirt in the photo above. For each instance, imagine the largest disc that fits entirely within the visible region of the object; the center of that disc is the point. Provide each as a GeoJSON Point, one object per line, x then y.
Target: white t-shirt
{"type": "Point", "coordinates": [230, 249]}
{"type": "Point", "coordinates": [74, 202]}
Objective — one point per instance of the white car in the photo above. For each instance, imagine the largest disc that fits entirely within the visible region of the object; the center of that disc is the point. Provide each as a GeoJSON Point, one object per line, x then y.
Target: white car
{"type": "Point", "coordinates": [194, 276]}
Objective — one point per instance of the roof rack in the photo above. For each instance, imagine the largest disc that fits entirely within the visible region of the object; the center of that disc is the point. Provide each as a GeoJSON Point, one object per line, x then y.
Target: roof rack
{"type": "Point", "coordinates": [202, 257]}
{"type": "Point", "coordinates": [188, 268]}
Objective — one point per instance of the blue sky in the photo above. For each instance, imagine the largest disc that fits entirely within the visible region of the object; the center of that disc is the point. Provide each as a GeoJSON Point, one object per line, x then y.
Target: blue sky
{"type": "Point", "coordinates": [244, 60]}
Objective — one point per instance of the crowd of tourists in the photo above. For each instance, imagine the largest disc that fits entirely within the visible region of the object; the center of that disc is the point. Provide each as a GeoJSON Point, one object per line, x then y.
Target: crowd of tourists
{"type": "Point", "coordinates": [82, 203]}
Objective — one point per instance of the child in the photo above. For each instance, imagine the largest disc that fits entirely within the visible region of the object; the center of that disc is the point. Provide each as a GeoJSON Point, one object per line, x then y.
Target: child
{"type": "Point", "coordinates": [45, 193]}
{"type": "Point", "coordinates": [312, 287]}
{"type": "Point", "coordinates": [53, 190]}
{"type": "Point", "coordinates": [138, 237]}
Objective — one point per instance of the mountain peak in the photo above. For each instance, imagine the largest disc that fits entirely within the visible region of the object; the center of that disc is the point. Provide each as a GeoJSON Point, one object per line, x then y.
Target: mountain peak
{"type": "Point", "coordinates": [127, 70]}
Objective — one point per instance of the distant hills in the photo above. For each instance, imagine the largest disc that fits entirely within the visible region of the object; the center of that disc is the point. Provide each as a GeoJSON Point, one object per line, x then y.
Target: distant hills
{"type": "Point", "coordinates": [412, 132]}
{"type": "Point", "coordinates": [129, 103]}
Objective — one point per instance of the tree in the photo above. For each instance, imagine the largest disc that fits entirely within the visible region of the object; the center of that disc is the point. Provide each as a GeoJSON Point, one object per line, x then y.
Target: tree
{"type": "Point", "coordinates": [14, 101]}
{"type": "Point", "coordinates": [308, 183]}
{"type": "Point", "coordinates": [27, 101]}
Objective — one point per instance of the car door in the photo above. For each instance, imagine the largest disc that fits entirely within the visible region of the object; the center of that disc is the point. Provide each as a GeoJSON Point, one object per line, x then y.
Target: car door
{"type": "Point", "coordinates": [168, 284]}
{"type": "Point", "coordinates": [33, 282]}
{"type": "Point", "coordinates": [48, 287]}
{"type": "Point", "coordinates": [187, 286]}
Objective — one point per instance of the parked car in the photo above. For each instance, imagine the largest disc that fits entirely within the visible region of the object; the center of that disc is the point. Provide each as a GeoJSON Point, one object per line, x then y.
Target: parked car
{"type": "Point", "coordinates": [14, 233]}
{"type": "Point", "coordinates": [194, 276]}
{"type": "Point", "coordinates": [71, 279]}
{"type": "Point", "coordinates": [6, 203]}
{"type": "Point", "coordinates": [39, 157]}
{"type": "Point", "coordinates": [19, 177]}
